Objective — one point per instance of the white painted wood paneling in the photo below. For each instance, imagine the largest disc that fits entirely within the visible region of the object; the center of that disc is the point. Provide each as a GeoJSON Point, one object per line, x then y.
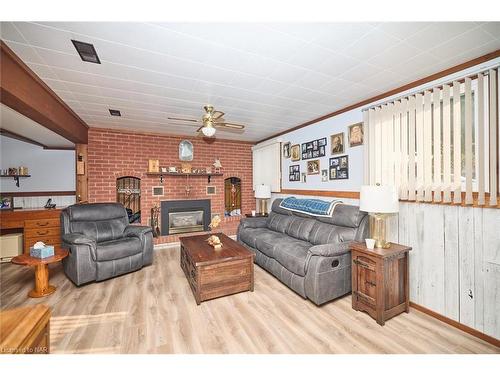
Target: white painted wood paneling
{"type": "Point", "coordinates": [466, 258]}
{"type": "Point", "coordinates": [451, 270]}
{"type": "Point", "coordinates": [455, 250]}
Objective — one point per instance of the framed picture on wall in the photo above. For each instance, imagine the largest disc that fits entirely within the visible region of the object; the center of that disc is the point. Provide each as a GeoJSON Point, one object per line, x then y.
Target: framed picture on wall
{"type": "Point", "coordinates": [337, 145]}
{"type": "Point", "coordinates": [6, 202]}
{"type": "Point", "coordinates": [294, 173]}
{"type": "Point", "coordinates": [314, 149]}
{"type": "Point", "coordinates": [295, 152]}
{"type": "Point", "coordinates": [286, 150]}
{"type": "Point", "coordinates": [313, 167]}
{"type": "Point", "coordinates": [339, 168]}
{"type": "Point", "coordinates": [324, 175]}
{"type": "Point", "coordinates": [355, 134]}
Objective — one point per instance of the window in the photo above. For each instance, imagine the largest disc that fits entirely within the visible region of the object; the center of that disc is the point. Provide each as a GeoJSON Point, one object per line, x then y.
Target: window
{"type": "Point", "coordinates": [436, 144]}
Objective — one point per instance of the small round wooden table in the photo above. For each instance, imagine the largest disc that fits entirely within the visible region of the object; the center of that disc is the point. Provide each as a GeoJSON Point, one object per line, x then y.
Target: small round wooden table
{"type": "Point", "coordinates": [42, 287]}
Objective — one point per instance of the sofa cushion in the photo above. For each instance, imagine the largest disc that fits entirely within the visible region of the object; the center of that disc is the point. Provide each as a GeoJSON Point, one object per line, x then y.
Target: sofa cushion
{"type": "Point", "coordinates": [300, 228]}
{"type": "Point", "coordinates": [116, 249]}
{"type": "Point", "coordinates": [250, 235]}
{"type": "Point", "coordinates": [345, 215]}
{"type": "Point", "coordinates": [278, 222]}
{"type": "Point", "coordinates": [267, 241]}
{"type": "Point", "coordinates": [322, 233]}
{"type": "Point", "coordinates": [293, 254]}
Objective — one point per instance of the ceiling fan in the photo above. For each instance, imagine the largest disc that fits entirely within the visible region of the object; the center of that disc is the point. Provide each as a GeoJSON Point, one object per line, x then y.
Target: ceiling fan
{"type": "Point", "coordinates": [211, 120]}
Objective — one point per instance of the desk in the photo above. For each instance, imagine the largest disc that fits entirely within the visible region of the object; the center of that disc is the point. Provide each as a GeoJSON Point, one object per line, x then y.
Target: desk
{"type": "Point", "coordinates": [37, 224]}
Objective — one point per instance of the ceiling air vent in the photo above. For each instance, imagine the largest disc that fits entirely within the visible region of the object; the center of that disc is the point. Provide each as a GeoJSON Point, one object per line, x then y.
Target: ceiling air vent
{"type": "Point", "coordinates": [114, 112]}
{"type": "Point", "coordinates": [86, 51]}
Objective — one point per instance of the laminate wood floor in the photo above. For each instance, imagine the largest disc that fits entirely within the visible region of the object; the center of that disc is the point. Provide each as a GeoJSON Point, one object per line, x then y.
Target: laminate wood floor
{"type": "Point", "coordinates": [153, 311]}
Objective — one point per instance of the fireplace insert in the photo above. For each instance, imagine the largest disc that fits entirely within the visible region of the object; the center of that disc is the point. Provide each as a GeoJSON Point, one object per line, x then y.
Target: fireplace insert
{"type": "Point", "coordinates": [185, 216]}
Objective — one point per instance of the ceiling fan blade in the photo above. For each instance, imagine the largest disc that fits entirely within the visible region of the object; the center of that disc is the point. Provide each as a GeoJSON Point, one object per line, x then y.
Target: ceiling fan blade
{"type": "Point", "coordinates": [199, 129]}
{"type": "Point", "coordinates": [217, 115]}
{"type": "Point", "coordinates": [182, 119]}
{"type": "Point", "coordinates": [229, 125]}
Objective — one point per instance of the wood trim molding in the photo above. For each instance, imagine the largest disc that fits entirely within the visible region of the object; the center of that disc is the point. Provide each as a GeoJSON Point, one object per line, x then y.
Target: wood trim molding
{"type": "Point", "coordinates": [456, 324]}
{"type": "Point", "coordinates": [322, 193]}
{"type": "Point", "coordinates": [37, 193]}
{"type": "Point", "coordinates": [22, 90]}
{"type": "Point", "coordinates": [432, 77]}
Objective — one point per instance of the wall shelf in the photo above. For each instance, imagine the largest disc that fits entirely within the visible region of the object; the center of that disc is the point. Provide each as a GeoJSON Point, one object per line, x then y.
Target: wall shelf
{"type": "Point", "coordinates": [161, 174]}
{"type": "Point", "coordinates": [15, 177]}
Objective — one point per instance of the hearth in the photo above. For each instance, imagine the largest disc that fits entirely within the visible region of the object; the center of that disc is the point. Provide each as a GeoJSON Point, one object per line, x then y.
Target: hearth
{"type": "Point", "coordinates": [185, 216]}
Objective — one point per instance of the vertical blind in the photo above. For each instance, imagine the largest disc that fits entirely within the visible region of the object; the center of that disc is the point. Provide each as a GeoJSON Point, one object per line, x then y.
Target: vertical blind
{"type": "Point", "coordinates": [439, 143]}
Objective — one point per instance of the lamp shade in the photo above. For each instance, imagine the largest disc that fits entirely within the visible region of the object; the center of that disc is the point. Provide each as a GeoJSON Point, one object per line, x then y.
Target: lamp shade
{"type": "Point", "coordinates": [208, 131]}
{"type": "Point", "coordinates": [382, 199]}
{"type": "Point", "coordinates": [263, 191]}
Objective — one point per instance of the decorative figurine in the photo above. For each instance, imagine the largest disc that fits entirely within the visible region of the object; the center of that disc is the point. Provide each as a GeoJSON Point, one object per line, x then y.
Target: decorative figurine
{"type": "Point", "coordinates": [213, 240]}
{"type": "Point", "coordinates": [217, 165]}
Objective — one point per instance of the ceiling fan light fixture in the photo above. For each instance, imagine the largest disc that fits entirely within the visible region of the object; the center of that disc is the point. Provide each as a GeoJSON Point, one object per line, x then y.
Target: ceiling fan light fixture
{"type": "Point", "coordinates": [208, 131]}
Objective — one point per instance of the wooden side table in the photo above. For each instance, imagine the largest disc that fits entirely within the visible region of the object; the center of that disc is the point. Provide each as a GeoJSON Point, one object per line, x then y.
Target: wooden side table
{"type": "Point", "coordinates": [25, 330]}
{"type": "Point", "coordinates": [42, 287]}
{"type": "Point", "coordinates": [380, 283]}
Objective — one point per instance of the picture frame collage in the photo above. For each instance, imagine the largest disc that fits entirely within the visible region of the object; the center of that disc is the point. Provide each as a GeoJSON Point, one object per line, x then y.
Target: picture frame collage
{"type": "Point", "coordinates": [338, 166]}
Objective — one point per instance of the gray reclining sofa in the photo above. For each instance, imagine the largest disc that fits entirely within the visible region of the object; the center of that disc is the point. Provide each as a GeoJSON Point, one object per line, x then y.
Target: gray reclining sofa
{"type": "Point", "coordinates": [101, 242]}
{"type": "Point", "coordinates": [309, 254]}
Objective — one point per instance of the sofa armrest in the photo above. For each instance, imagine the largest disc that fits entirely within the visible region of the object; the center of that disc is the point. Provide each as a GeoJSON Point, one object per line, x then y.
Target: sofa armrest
{"type": "Point", "coordinates": [77, 239]}
{"type": "Point", "coordinates": [254, 222]}
{"type": "Point", "coordinates": [137, 231]}
{"type": "Point", "coordinates": [330, 249]}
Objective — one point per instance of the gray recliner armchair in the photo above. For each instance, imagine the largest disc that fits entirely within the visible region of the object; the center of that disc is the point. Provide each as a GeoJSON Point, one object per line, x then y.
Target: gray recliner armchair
{"type": "Point", "coordinates": [101, 242]}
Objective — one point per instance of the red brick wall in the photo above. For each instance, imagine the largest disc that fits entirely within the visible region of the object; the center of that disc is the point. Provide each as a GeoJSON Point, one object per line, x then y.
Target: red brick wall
{"type": "Point", "coordinates": [113, 154]}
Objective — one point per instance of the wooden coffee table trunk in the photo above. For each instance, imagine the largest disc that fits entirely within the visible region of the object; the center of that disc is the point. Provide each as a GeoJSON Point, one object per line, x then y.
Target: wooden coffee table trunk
{"type": "Point", "coordinates": [216, 273]}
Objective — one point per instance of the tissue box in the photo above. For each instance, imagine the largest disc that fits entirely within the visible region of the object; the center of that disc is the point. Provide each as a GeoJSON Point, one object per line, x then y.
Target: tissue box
{"type": "Point", "coordinates": [44, 252]}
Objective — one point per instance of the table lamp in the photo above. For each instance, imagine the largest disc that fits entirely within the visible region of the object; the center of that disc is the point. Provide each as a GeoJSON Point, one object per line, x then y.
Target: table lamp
{"type": "Point", "coordinates": [263, 193]}
{"type": "Point", "coordinates": [380, 201]}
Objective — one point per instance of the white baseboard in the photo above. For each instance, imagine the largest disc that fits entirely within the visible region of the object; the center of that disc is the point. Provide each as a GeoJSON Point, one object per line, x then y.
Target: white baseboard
{"type": "Point", "coordinates": [171, 245]}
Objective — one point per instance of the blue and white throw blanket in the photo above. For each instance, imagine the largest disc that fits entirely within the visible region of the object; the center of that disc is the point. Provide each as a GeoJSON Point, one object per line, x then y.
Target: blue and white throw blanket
{"type": "Point", "coordinates": [315, 207]}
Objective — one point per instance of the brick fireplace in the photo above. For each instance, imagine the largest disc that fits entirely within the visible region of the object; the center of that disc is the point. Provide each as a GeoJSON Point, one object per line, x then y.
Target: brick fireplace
{"type": "Point", "coordinates": [113, 154]}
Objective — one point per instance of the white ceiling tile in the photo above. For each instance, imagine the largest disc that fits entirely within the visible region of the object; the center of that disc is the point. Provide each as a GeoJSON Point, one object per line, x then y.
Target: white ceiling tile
{"type": "Point", "coordinates": [455, 46]}
{"type": "Point", "coordinates": [337, 65]}
{"type": "Point", "coordinates": [403, 30]}
{"type": "Point", "coordinates": [394, 56]}
{"type": "Point", "coordinates": [28, 53]}
{"type": "Point", "coordinates": [339, 36]}
{"type": "Point", "coordinates": [370, 45]}
{"type": "Point", "coordinates": [437, 33]}
{"type": "Point", "coordinates": [493, 28]}
{"type": "Point", "coordinates": [358, 72]}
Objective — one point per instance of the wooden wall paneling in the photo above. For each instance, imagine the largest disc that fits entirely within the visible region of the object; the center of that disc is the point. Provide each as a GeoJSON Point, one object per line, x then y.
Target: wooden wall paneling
{"type": "Point", "coordinates": [451, 265]}
{"type": "Point", "coordinates": [415, 235]}
{"type": "Point", "coordinates": [466, 261]}
{"type": "Point", "coordinates": [478, 269]}
{"type": "Point", "coordinates": [491, 258]}
{"type": "Point", "coordinates": [432, 257]}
